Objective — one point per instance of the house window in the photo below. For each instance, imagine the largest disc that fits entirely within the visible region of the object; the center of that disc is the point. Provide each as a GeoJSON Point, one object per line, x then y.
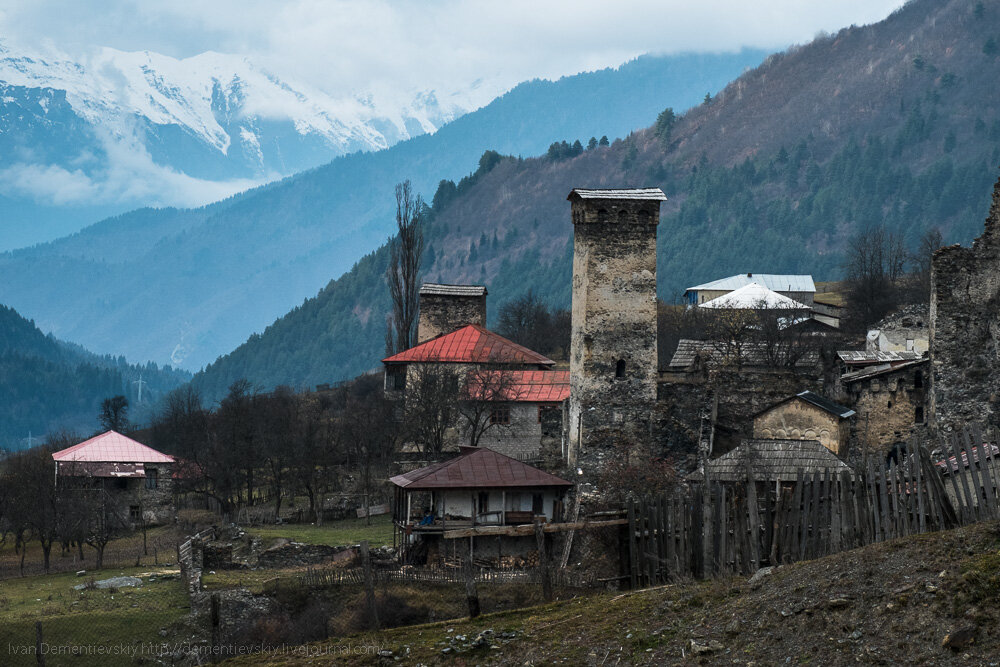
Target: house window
{"type": "Point", "coordinates": [909, 345]}
{"type": "Point", "coordinates": [918, 415]}
{"type": "Point", "coordinates": [395, 378]}
{"type": "Point", "coordinates": [918, 379]}
{"type": "Point", "coordinates": [151, 477]}
{"type": "Point", "coordinates": [540, 408]}
{"type": "Point", "coordinates": [121, 483]}
{"type": "Point", "coordinates": [620, 369]}
{"type": "Point", "coordinates": [500, 415]}
{"type": "Point", "coordinates": [134, 513]}
{"type": "Point", "coordinates": [483, 502]}
{"type": "Point", "coordinates": [537, 504]}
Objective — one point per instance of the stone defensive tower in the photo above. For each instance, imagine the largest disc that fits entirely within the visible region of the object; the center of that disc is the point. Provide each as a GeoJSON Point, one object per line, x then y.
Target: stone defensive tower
{"type": "Point", "coordinates": [444, 308]}
{"type": "Point", "coordinates": [613, 361]}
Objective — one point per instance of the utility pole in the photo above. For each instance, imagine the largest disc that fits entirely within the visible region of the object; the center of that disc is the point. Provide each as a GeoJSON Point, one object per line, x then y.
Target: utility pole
{"type": "Point", "coordinates": [139, 382]}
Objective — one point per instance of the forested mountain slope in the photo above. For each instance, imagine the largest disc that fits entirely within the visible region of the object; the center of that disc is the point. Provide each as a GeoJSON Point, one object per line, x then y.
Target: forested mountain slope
{"type": "Point", "coordinates": [187, 285]}
{"type": "Point", "coordinates": [898, 122]}
{"type": "Point", "coordinates": [47, 385]}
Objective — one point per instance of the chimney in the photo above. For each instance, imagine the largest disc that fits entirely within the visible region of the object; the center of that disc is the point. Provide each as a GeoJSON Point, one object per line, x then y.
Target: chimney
{"type": "Point", "coordinates": [445, 308]}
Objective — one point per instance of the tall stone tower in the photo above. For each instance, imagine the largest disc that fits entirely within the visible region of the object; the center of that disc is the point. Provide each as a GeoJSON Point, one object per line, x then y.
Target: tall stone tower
{"type": "Point", "coordinates": [613, 362]}
{"type": "Point", "coordinates": [444, 308]}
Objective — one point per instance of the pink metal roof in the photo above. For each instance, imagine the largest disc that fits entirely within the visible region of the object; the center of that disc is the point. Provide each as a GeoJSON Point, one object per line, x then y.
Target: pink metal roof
{"type": "Point", "coordinates": [477, 467]}
{"type": "Point", "coordinates": [112, 447]}
{"type": "Point", "coordinates": [529, 386]}
{"type": "Point", "coordinates": [471, 344]}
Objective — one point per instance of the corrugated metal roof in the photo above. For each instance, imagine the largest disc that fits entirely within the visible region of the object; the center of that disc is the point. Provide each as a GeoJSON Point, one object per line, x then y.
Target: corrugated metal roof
{"type": "Point", "coordinates": [112, 447]}
{"type": "Point", "coordinates": [438, 289]}
{"type": "Point", "coordinates": [472, 344]}
{"type": "Point", "coordinates": [772, 281]}
{"type": "Point", "coordinates": [951, 464]}
{"type": "Point", "coordinates": [752, 296]}
{"type": "Point", "coordinates": [772, 460]}
{"type": "Point", "coordinates": [654, 194]}
{"type": "Point", "coordinates": [531, 386]}
{"type": "Point", "coordinates": [881, 369]}
{"type": "Point", "coordinates": [477, 467]}
{"type": "Point", "coordinates": [852, 357]}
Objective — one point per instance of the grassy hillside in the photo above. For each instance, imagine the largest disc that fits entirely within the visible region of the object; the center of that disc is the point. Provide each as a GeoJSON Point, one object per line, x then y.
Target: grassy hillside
{"type": "Point", "coordinates": [895, 123]}
{"type": "Point", "coordinates": [185, 286]}
{"type": "Point", "coordinates": [890, 603]}
{"type": "Point", "coordinates": [47, 385]}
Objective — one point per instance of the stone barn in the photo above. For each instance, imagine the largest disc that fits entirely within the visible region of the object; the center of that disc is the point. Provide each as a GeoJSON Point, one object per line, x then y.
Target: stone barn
{"type": "Point", "coordinates": [806, 416]}
{"type": "Point", "coordinates": [891, 402]}
{"type": "Point", "coordinates": [137, 478]}
{"type": "Point", "coordinates": [613, 354]}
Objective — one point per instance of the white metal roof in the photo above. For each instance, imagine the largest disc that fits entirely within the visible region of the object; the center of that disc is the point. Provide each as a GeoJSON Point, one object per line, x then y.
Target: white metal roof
{"type": "Point", "coordinates": [754, 296]}
{"type": "Point", "coordinates": [772, 281]}
{"type": "Point", "coordinates": [655, 194]}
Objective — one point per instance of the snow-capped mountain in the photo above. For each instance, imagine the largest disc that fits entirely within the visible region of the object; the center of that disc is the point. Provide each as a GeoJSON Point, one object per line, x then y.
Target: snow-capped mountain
{"type": "Point", "coordinates": [122, 129]}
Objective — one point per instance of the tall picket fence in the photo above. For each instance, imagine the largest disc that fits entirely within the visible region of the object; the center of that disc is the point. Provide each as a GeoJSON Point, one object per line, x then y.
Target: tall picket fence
{"type": "Point", "coordinates": [720, 528]}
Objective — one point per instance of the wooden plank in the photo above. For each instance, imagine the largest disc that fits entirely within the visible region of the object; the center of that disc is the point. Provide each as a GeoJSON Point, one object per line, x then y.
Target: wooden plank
{"type": "Point", "coordinates": [914, 449]}
{"type": "Point", "coordinates": [815, 516]}
{"type": "Point", "coordinates": [632, 565]}
{"type": "Point", "coordinates": [989, 490]}
{"type": "Point", "coordinates": [971, 512]}
{"type": "Point", "coordinates": [965, 441]}
{"type": "Point", "coordinates": [799, 525]}
{"type": "Point", "coordinates": [670, 551]}
{"type": "Point", "coordinates": [949, 514]}
{"type": "Point", "coordinates": [529, 529]}
{"type": "Point", "coordinates": [871, 488]}
{"type": "Point", "coordinates": [753, 518]}
{"type": "Point", "coordinates": [897, 497]}
{"type": "Point", "coordinates": [836, 516]}
{"type": "Point", "coordinates": [881, 487]}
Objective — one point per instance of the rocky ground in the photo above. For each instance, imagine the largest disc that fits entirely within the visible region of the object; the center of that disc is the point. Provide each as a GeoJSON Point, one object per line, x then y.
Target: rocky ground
{"type": "Point", "coordinates": [932, 600]}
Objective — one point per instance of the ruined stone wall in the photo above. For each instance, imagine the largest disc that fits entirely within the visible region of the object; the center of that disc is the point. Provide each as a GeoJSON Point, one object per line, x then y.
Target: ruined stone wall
{"type": "Point", "coordinates": [799, 420]}
{"type": "Point", "coordinates": [891, 408]}
{"type": "Point", "coordinates": [907, 330]}
{"type": "Point", "coordinates": [613, 358]}
{"type": "Point", "coordinates": [965, 329]}
{"type": "Point", "coordinates": [441, 314]}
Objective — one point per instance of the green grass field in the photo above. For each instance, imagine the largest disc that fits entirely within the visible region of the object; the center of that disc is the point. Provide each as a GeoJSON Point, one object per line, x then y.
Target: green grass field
{"type": "Point", "coordinates": [334, 533]}
{"type": "Point", "coordinates": [78, 625]}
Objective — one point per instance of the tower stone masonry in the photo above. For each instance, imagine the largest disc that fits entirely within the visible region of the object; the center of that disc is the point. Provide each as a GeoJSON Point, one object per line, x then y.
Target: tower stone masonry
{"type": "Point", "coordinates": [613, 357]}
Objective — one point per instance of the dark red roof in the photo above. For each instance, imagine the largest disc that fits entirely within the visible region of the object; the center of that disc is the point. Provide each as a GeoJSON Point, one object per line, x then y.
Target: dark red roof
{"type": "Point", "coordinates": [477, 467]}
{"type": "Point", "coordinates": [112, 447]}
{"type": "Point", "coordinates": [472, 344]}
{"type": "Point", "coordinates": [528, 386]}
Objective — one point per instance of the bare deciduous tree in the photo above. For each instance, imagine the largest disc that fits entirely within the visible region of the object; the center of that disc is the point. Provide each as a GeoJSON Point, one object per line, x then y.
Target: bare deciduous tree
{"type": "Point", "coordinates": [486, 399]}
{"type": "Point", "coordinates": [431, 405]}
{"type": "Point", "coordinates": [403, 273]}
{"type": "Point", "coordinates": [876, 259]}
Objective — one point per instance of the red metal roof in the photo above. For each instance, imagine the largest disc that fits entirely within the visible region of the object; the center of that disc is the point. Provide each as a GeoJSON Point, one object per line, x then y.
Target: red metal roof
{"type": "Point", "coordinates": [112, 447]}
{"type": "Point", "coordinates": [528, 386]}
{"type": "Point", "coordinates": [472, 344]}
{"type": "Point", "coordinates": [477, 467]}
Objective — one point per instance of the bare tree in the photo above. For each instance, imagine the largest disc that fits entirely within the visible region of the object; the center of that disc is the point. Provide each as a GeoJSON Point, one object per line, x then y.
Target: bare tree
{"type": "Point", "coordinates": [431, 405]}
{"type": "Point", "coordinates": [403, 274]}
{"type": "Point", "coordinates": [486, 399]}
{"type": "Point", "coordinates": [930, 242]}
{"type": "Point", "coordinates": [876, 259]}
{"type": "Point", "coordinates": [114, 414]}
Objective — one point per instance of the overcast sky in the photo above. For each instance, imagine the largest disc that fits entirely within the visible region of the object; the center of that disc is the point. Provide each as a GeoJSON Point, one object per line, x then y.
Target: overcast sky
{"type": "Point", "coordinates": [354, 45]}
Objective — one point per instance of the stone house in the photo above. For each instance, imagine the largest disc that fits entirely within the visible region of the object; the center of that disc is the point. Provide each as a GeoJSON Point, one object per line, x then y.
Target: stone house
{"type": "Point", "coordinates": [479, 487]}
{"type": "Point", "coordinates": [523, 384]}
{"type": "Point", "coordinates": [891, 402]}
{"type": "Point", "coordinates": [806, 416]}
{"type": "Point", "coordinates": [138, 479]}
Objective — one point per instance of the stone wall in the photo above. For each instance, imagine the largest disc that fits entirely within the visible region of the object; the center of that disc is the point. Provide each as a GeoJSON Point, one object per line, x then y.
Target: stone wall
{"type": "Point", "coordinates": [521, 438]}
{"type": "Point", "coordinates": [801, 420]}
{"type": "Point", "coordinates": [441, 314]}
{"type": "Point", "coordinates": [613, 358]}
{"type": "Point", "coordinates": [891, 407]}
{"type": "Point", "coordinates": [965, 329]}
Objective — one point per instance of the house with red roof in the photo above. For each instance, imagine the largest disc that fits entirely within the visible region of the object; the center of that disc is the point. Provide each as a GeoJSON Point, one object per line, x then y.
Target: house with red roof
{"type": "Point", "coordinates": [478, 488]}
{"type": "Point", "coordinates": [137, 478]}
{"type": "Point", "coordinates": [524, 390]}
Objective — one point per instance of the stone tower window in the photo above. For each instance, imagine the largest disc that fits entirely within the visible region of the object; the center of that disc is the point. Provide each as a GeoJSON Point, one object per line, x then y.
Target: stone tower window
{"type": "Point", "coordinates": [620, 369]}
{"type": "Point", "coordinates": [623, 216]}
{"type": "Point", "coordinates": [602, 215]}
{"type": "Point", "coordinates": [918, 379]}
{"type": "Point", "coordinates": [918, 415]}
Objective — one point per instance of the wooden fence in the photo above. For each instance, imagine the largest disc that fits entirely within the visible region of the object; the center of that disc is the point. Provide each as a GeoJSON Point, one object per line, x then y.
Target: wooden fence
{"type": "Point", "coordinates": [705, 531]}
